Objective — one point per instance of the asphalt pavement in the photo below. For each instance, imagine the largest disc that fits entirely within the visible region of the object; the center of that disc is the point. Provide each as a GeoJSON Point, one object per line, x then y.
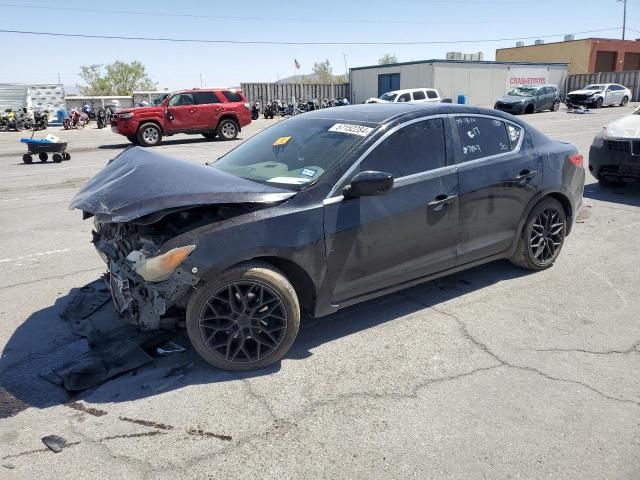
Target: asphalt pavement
{"type": "Point", "coordinates": [492, 373]}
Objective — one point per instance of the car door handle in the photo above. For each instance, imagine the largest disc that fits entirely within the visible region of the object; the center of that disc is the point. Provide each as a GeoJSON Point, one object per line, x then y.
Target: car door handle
{"type": "Point", "coordinates": [525, 176]}
{"type": "Point", "coordinates": [441, 201]}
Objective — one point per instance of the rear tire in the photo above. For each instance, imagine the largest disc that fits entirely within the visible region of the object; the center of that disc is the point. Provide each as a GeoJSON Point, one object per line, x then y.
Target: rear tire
{"type": "Point", "coordinates": [66, 156]}
{"type": "Point", "coordinates": [149, 135]}
{"type": "Point", "coordinates": [26, 158]}
{"type": "Point", "coordinates": [227, 129]}
{"type": "Point", "coordinates": [245, 319]}
{"type": "Point", "coordinates": [542, 236]}
{"type": "Point", "coordinates": [624, 102]}
{"type": "Point", "coordinates": [57, 157]}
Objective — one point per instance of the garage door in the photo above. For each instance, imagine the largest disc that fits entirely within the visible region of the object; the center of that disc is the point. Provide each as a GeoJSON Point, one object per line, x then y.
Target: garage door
{"type": "Point", "coordinates": [388, 82]}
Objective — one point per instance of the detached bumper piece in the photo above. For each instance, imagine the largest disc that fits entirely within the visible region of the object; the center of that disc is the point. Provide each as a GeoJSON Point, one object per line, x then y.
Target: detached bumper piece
{"type": "Point", "coordinates": [585, 100]}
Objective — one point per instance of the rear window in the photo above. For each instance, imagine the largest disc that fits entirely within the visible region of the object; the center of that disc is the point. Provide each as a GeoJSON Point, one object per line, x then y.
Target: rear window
{"type": "Point", "coordinates": [418, 95]}
{"type": "Point", "coordinates": [432, 94]}
{"type": "Point", "coordinates": [232, 96]}
{"type": "Point", "coordinates": [203, 98]}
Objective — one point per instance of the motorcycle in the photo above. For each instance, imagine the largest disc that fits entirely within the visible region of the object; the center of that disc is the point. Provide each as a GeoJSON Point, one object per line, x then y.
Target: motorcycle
{"type": "Point", "coordinates": [40, 120]}
{"type": "Point", "coordinates": [90, 112]}
{"type": "Point", "coordinates": [17, 121]}
{"type": "Point", "coordinates": [270, 109]}
{"type": "Point", "coordinates": [76, 119]}
{"type": "Point", "coordinates": [255, 110]}
{"type": "Point", "coordinates": [101, 118]}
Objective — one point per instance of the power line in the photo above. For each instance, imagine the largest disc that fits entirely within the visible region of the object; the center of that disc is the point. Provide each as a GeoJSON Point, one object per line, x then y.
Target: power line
{"type": "Point", "coordinates": [282, 42]}
{"type": "Point", "coordinates": [254, 18]}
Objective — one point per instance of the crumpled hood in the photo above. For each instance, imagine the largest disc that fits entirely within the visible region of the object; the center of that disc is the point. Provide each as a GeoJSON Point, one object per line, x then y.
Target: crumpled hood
{"type": "Point", "coordinates": [625, 127]}
{"type": "Point", "coordinates": [584, 92]}
{"type": "Point", "coordinates": [139, 182]}
{"type": "Point", "coordinates": [512, 99]}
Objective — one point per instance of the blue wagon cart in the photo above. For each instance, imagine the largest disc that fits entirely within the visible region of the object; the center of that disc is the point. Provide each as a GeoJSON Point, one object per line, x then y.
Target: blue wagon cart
{"type": "Point", "coordinates": [42, 148]}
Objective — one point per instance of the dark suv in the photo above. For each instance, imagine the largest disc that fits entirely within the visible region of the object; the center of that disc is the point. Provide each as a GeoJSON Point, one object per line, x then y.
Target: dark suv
{"type": "Point", "coordinates": [530, 99]}
{"type": "Point", "coordinates": [209, 112]}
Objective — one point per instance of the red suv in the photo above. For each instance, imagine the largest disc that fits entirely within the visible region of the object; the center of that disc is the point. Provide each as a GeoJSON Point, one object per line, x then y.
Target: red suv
{"type": "Point", "coordinates": [209, 112]}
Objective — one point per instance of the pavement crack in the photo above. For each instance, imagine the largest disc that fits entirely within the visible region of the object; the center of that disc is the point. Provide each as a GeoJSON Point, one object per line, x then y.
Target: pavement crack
{"type": "Point", "coordinates": [259, 398]}
{"type": "Point", "coordinates": [635, 348]}
{"type": "Point", "coordinates": [482, 346]}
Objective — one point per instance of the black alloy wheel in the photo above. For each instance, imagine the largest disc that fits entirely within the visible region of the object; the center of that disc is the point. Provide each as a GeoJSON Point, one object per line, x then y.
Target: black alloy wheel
{"type": "Point", "coordinates": [556, 106]}
{"type": "Point", "coordinates": [247, 319]}
{"type": "Point", "coordinates": [599, 103]}
{"type": "Point", "coordinates": [542, 237]}
{"type": "Point", "coordinates": [624, 102]}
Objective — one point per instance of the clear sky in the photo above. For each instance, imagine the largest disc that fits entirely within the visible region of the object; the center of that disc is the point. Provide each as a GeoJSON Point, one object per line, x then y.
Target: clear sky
{"type": "Point", "coordinates": [36, 59]}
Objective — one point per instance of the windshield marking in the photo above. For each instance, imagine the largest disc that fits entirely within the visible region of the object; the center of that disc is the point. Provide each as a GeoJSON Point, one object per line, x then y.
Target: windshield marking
{"type": "Point", "coordinates": [359, 130]}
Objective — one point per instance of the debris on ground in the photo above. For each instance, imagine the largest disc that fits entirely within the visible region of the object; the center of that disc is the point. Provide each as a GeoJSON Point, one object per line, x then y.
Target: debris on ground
{"type": "Point", "coordinates": [169, 348]}
{"type": "Point", "coordinates": [55, 443]}
{"type": "Point", "coordinates": [110, 354]}
{"type": "Point", "coordinates": [88, 300]}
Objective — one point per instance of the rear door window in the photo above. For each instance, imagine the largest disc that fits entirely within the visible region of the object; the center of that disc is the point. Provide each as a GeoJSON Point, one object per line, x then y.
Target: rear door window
{"type": "Point", "coordinates": [483, 137]}
{"type": "Point", "coordinates": [232, 96]}
{"type": "Point", "coordinates": [205, 98]}
{"type": "Point", "coordinates": [418, 95]}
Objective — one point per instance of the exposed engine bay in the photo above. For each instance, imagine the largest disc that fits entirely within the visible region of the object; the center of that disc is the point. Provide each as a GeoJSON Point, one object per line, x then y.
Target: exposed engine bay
{"type": "Point", "coordinates": [146, 293]}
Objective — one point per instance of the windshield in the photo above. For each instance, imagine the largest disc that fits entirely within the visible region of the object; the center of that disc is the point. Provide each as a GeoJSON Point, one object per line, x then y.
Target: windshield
{"type": "Point", "coordinates": [389, 97]}
{"type": "Point", "coordinates": [594, 87]}
{"type": "Point", "coordinates": [523, 92]}
{"type": "Point", "coordinates": [294, 153]}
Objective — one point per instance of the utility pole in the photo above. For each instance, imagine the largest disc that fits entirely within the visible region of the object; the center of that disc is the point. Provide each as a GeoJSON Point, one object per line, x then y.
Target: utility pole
{"type": "Point", "coordinates": [624, 16]}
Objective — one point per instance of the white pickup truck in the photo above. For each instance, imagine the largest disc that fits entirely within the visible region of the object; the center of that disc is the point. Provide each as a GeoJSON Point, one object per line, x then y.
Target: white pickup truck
{"type": "Point", "coordinates": [409, 95]}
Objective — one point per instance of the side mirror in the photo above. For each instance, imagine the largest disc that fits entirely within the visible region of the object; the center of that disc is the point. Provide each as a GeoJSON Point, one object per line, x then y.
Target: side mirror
{"type": "Point", "coordinates": [368, 184]}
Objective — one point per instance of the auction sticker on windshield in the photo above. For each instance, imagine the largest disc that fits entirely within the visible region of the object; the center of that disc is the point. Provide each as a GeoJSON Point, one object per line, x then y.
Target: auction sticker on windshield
{"type": "Point", "coordinates": [359, 130]}
{"type": "Point", "coordinates": [281, 141]}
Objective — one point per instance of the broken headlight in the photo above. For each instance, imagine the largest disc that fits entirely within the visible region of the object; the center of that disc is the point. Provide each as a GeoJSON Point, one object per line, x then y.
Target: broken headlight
{"type": "Point", "coordinates": [160, 267]}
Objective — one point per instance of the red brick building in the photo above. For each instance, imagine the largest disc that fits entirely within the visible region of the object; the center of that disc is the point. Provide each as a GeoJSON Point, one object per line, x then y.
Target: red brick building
{"type": "Point", "coordinates": [589, 55]}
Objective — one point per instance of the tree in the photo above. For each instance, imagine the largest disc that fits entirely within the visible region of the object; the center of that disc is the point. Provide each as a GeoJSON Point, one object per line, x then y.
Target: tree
{"type": "Point", "coordinates": [323, 72]}
{"type": "Point", "coordinates": [387, 59]}
{"type": "Point", "coordinates": [117, 78]}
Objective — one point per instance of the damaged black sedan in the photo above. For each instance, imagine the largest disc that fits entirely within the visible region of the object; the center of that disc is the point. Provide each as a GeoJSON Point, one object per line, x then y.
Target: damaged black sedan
{"type": "Point", "coordinates": [322, 211]}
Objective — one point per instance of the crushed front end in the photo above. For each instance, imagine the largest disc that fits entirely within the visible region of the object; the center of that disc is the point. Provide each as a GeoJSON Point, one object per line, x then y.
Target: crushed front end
{"type": "Point", "coordinates": [133, 252]}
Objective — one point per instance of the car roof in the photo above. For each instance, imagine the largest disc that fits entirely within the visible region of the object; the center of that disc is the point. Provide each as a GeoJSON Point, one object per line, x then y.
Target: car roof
{"type": "Point", "coordinates": [381, 113]}
{"type": "Point", "coordinates": [409, 90]}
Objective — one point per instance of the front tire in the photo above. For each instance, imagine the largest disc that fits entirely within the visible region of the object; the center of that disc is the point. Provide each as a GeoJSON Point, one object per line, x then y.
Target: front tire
{"type": "Point", "coordinates": [245, 319]}
{"type": "Point", "coordinates": [149, 135]}
{"type": "Point", "coordinates": [227, 129]}
{"type": "Point", "coordinates": [599, 103]}
{"type": "Point", "coordinates": [542, 237]}
{"type": "Point", "coordinates": [555, 107]}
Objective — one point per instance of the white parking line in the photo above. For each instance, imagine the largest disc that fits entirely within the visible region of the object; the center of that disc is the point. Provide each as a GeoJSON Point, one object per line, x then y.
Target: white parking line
{"type": "Point", "coordinates": [31, 198]}
{"type": "Point", "coordinates": [33, 255]}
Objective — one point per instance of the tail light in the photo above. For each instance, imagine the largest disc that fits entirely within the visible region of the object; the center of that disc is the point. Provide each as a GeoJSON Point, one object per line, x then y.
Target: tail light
{"type": "Point", "coordinates": [576, 159]}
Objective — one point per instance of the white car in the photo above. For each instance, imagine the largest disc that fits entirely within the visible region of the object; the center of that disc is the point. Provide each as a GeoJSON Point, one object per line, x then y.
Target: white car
{"type": "Point", "coordinates": [409, 95]}
{"type": "Point", "coordinates": [599, 95]}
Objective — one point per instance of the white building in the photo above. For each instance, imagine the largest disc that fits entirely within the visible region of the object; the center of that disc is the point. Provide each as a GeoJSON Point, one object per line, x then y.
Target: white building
{"type": "Point", "coordinates": [41, 97]}
{"type": "Point", "coordinates": [480, 82]}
